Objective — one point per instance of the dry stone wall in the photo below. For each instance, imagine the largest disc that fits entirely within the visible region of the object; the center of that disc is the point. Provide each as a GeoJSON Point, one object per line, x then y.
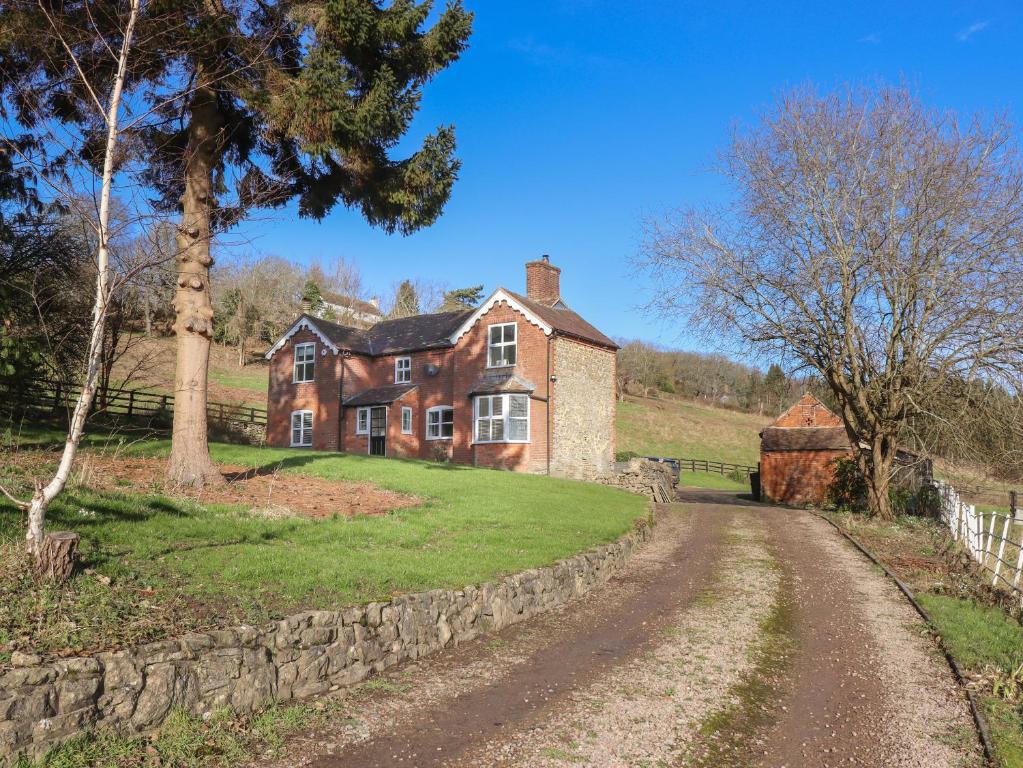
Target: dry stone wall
{"type": "Point", "coordinates": [653, 479]}
{"type": "Point", "coordinates": [303, 655]}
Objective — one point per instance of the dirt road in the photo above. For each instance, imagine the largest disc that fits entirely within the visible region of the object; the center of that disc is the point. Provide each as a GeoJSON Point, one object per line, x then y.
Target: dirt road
{"type": "Point", "coordinates": [740, 636]}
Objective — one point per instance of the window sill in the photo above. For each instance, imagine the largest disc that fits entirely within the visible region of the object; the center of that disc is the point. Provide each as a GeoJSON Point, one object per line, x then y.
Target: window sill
{"type": "Point", "coordinates": [500, 442]}
{"type": "Point", "coordinates": [495, 367]}
{"type": "Point", "coordinates": [305, 381]}
{"type": "Point", "coordinates": [301, 445]}
{"type": "Point", "coordinates": [435, 439]}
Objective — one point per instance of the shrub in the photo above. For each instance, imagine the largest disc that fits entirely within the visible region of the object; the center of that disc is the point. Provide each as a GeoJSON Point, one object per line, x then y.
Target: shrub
{"type": "Point", "coordinates": [626, 455]}
{"type": "Point", "coordinates": [848, 491]}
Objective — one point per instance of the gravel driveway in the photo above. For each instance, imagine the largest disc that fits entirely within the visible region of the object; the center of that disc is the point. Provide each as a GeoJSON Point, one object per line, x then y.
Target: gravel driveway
{"type": "Point", "coordinates": [740, 636]}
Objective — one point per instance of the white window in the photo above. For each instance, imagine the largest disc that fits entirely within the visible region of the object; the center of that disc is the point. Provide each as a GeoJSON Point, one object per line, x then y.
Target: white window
{"type": "Point", "coordinates": [502, 419]}
{"type": "Point", "coordinates": [440, 422]}
{"type": "Point", "coordinates": [406, 420]}
{"type": "Point", "coordinates": [362, 421]}
{"type": "Point", "coordinates": [402, 370]}
{"type": "Point", "coordinates": [305, 361]}
{"type": "Point", "coordinates": [501, 345]}
{"type": "Point", "coordinates": [301, 428]}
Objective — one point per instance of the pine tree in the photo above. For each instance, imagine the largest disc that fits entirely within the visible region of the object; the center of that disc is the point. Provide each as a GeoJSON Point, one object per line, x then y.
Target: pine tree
{"type": "Point", "coordinates": [462, 298]}
{"type": "Point", "coordinates": [406, 301]}
{"type": "Point", "coordinates": [312, 299]}
{"type": "Point", "coordinates": [249, 104]}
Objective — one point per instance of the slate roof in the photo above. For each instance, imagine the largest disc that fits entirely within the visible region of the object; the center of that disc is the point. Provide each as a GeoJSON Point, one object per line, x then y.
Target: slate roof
{"type": "Point", "coordinates": [379, 395]}
{"type": "Point", "coordinates": [405, 334]}
{"type": "Point", "coordinates": [804, 439]}
{"type": "Point", "coordinates": [501, 382]}
{"type": "Point", "coordinates": [563, 320]}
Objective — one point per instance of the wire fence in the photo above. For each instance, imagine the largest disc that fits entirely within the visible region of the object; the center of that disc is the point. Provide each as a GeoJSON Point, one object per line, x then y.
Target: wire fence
{"type": "Point", "coordinates": [994, 539]}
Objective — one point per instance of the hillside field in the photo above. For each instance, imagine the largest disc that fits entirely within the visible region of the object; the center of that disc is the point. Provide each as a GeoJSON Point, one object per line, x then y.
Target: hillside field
{"type": "Point", "coordinates": [684, 429]}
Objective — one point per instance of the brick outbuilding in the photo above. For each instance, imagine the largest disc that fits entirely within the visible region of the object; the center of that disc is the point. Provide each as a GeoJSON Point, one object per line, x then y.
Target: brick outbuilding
{"type": "Point", "coordinates": [798, 452]}
{"type": "Point", "coordinates": [522, 382]}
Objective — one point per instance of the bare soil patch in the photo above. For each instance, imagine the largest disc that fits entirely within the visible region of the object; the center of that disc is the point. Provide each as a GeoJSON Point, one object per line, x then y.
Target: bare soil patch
{"type": "Point", "coordinates": [265, 490]}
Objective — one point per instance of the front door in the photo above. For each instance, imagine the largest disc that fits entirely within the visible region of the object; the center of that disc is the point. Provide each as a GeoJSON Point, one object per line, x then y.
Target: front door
{"type": "Point", "coordinates": [377, 431]}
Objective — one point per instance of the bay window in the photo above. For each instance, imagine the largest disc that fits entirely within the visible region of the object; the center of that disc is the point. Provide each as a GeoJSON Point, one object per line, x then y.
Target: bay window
{"type": "Point", "coordinates": [501, 419]}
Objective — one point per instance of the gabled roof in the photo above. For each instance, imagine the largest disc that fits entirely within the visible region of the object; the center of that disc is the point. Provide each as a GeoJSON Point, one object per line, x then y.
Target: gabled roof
{"type": "Point", "coordinates": [380, 395]}
{"type": "Point", "coordinates": [804, 439]}
{"type": "Point", "coordinates": [557, 319]}
{"type": "Point", "coordinates": [388, 337]}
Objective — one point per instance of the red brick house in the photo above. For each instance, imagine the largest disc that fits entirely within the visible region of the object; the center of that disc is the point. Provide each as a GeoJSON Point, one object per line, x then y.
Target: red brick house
{"type": "Point", "coordinates": [521, 383]}
{"type": "Point", "coordinates": [798, 452]}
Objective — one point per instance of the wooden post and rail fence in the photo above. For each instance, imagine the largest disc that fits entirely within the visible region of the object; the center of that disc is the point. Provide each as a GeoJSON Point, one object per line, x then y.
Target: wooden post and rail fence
{"type": "Point", "coordinates": [51, 397]}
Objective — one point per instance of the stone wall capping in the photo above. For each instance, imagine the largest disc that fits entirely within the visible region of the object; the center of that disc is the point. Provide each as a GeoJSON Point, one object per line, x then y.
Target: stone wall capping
{"type": "Point", "coordinates": [299, 656]}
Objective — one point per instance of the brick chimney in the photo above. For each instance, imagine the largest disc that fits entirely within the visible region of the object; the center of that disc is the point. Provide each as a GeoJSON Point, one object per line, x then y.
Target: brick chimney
{"type": "Point", "coordinates": [543, 281]}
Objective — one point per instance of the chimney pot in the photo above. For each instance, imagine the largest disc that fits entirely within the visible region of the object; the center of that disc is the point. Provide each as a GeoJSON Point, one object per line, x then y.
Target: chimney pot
{"type": "Point", "coordinates": [543, 281]}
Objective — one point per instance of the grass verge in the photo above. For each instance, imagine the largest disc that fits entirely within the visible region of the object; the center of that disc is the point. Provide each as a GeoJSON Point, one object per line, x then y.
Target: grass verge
{"type": "Point", "coordinates": [154, 565]}
{"type": "Point", "coordinates": [985, 641]}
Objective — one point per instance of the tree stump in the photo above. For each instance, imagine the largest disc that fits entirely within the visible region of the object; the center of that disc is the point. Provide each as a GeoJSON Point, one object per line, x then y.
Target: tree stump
{"type": "Point", "coordinates": [58, 554]}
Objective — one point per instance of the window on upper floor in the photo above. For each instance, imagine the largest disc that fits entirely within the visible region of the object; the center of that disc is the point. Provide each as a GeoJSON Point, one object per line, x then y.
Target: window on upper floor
{"type": "Point", "coordinates": [440, 422]}
{"type": "Point", "coordinates": [305, 362]}
{"type": "Point", "coordinates": [302, 428]}
{"type": "Point", "coordinates": [403, 370]}
{"type": "Point", "coordinates": [406, 420]}
{"type": "Point", "coordinates": [501, 344]}
{"type": "Point", "coordinates": [501, 419]}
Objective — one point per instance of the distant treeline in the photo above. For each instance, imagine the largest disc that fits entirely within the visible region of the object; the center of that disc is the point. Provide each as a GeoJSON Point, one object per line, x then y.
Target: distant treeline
{"type": "Point", "coordinates": [647, 369]}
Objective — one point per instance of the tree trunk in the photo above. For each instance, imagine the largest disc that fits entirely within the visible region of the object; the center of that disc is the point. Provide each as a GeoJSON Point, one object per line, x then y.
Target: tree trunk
{"type": "Point", "coordinates": [876, 465]}
{"type": "Point", "coordinates": [57, 556]}
{"type": "Point", "coordinates": [190, 463]}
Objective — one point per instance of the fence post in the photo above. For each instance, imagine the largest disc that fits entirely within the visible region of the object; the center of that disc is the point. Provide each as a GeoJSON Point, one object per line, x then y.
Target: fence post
{"type": "Point", "coordinates": [990, 537]}
{"type": "Point", "coordinates": [1019, 564]}
{"type": "Point", "coordinates": [1001, 549]}
{"type": "Point", "coordinates": [131, 402]}
{"type": "Point", "coordinates": [1012, 504]}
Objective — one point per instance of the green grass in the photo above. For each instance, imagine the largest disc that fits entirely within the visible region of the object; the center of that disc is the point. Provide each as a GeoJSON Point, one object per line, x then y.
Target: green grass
{"type": "Point", "coordinates": [203, 563]}
{"type": "Point", "coordinates": [711, 480]}
{"type": "Point", "coordinates": [684, 429]}
{"type": "Point", "coordinates": [252, 377]}
{"type": "Point", "coordinates": [981, 637]}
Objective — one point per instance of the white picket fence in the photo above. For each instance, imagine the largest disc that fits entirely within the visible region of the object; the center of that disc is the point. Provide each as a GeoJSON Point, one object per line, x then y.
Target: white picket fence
{"type": "Point", "coordinates": [994, 539]}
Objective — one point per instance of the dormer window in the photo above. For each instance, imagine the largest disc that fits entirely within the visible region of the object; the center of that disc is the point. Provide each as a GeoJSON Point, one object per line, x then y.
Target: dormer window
{"type": "Point", "coordinates": [305, 362]}
{"type": "Point", "coordinates": [501, 343]}
{"type": "Point", "coordinates": [403, 370]}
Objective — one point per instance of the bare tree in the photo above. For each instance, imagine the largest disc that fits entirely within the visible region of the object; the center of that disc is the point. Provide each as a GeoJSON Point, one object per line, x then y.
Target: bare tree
{"type": "Point", "coordinates": [871, 240]}
{"type": "Point", "coordinates": [105, 98]}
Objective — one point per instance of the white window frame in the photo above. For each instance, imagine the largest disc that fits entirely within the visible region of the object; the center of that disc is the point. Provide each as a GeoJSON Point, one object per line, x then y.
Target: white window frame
{"type": "Point", "coordinates": [440, 422]}
{"type": "Point", "coordinates": [360, 413]}
{"type": "Point", "coordinates": [403, 373]}
{"type": "Point", "coordinates": [406, 415]}
{"type": "Point", "coordinates": [502, 344]}
{"type": "Point", "coordinates": [305, 439]}
{"type": "Point", "coordinates": [303, 348]}
{"type": "Point", "coordinates": [505, 416]}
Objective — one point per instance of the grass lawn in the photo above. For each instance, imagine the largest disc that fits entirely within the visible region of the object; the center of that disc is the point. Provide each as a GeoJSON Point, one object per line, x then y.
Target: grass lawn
{"type": "Point", "coordinates": [154, 564]}
{"type": "Point", "coordinates": [711, 480]}
{"type": "Point", "coordinates": [684, 429]}
{"type": "Point", "coordinates": [983, 639]}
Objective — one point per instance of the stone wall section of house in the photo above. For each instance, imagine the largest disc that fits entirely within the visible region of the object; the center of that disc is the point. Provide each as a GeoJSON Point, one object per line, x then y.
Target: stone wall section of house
{"type": "Point", "coordinates": [304, 655]}
{"type": "Point", "coordinates": [798, 477]}
{"type": "Point", "coordinates": [321, 395]}
{"type": "Point", "coordinates": [584, 409]}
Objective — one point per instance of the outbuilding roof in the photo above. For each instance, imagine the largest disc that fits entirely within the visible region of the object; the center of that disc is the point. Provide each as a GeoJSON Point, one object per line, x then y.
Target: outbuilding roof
{"type": "Point", "coordinates": [804, 439]}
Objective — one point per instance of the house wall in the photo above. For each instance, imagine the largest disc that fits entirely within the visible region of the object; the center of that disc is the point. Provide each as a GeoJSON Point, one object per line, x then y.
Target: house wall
{"type": "Point", "coordinates": [584, 409]}
{"type": "Point", "coordinates": [581, 438]}
{"type": "Point", "coordinates": [321, 396]}
{"type": "Point", "coordinates": [797, 477]}
{"type": "Point", "coordinates": [531, 364]}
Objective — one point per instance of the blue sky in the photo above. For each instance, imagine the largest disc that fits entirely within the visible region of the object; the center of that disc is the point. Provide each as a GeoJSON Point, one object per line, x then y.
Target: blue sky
{"type": "Point", "coordinates": [577, 118]}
